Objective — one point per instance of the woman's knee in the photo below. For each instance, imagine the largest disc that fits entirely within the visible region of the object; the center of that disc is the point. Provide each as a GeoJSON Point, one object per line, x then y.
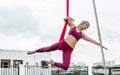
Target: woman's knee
{"type": "Point", "coordinates": [65, 67]}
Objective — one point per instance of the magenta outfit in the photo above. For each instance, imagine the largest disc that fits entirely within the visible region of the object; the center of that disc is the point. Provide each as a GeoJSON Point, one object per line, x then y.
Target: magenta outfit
{"type": "Point", "coordinates": [65, 48]}
{"type": "Point", "coordinates": [76, 34]}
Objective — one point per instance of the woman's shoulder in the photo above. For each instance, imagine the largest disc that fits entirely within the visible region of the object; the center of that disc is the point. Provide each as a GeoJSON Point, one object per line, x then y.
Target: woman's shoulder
{"type": "Point", "coordinates": [83, 34]}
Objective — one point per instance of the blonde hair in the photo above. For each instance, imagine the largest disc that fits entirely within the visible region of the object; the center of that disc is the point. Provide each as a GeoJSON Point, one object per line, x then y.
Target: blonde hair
{"type": "Point", "coordinates": [84, 22]}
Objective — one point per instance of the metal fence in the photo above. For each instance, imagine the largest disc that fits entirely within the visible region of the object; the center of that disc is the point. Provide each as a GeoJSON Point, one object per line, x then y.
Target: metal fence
{"type": "Point", "coordinates": [38, 70]}
{"type": "Point", "coordinates": [51, 70]}
{"type": "Point", "coordinates": [9, 71]}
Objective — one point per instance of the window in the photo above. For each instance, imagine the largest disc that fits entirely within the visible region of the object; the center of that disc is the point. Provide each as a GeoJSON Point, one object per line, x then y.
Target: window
{"type": "Point", "coordinates": [27, 63]}
{"type": "Point", "coordinates": [44, 64]}
{"type": "Point", "coordinates": [17, 62]}
{"type": "Point", "coordinates": [5, 63]}
{"type": "Point", "coordinates": [36, 64]}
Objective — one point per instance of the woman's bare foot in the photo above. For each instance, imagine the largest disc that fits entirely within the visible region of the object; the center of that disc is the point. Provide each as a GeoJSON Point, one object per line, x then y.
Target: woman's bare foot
{"type": "Point", "coordinates": [31, 52]}
{"type": "Point", "coordinates": [50, 62]}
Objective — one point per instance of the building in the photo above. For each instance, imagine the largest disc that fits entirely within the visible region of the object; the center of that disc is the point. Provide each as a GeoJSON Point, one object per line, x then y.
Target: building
{"type": "Point", "coordinates": [111, 68]}
{"type": "Point", "coordinates": [17, 62]}
{"type": "Point", "coordinates": [15, 57]}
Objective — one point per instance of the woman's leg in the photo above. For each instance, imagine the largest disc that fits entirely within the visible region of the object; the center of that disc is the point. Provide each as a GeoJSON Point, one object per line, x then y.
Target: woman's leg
{"type": "Point", "coordinates": [67, 50]}
{"type": "Point", "coordinates": [66, 61]}
{"type": "Point", "coordinates": [45, 49]}
{"type": "Point", "coordinates": [49, 48]}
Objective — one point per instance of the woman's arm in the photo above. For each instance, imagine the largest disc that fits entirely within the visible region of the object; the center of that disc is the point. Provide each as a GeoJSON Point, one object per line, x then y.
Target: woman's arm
{"type": "Point", "coordinates": [70, 21]}
{"type": "Point", "coordinates": [85, 37]}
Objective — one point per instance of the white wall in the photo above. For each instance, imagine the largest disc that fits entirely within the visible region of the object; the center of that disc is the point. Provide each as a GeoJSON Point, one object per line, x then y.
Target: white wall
{"type": "Point", "coordinates": [22, 55]}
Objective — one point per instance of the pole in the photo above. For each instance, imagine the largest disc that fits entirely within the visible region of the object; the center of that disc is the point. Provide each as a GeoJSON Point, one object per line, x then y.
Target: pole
{"type": "Point", "coordinates": [99, 36]}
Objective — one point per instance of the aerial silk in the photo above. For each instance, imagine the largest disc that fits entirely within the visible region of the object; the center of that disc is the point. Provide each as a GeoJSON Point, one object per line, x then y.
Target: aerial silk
{"type": "Point", "coordinates": [65, 25]}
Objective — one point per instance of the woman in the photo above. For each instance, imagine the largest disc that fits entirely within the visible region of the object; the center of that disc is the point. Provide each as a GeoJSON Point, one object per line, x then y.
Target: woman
{"type": "Point", "coordinates": [69, 43]}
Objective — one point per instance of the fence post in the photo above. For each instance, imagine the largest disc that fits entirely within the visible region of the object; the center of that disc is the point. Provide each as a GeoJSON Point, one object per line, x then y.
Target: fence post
{"type": "Point", "coordinates": [21, 70]}
{"type": "Point", "coordinates": [0, 70]}
{"type": "Point", "coordinates": [0, 67]}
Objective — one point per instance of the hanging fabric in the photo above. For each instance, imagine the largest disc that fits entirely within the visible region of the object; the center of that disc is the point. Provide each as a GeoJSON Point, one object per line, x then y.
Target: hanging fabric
{"type": "Point", "coordinates": [65, 25]}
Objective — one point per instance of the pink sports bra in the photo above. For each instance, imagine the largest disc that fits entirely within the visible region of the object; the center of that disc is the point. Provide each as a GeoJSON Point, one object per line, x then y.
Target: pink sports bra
{"type": "Point", "coordinates": [75, 34]}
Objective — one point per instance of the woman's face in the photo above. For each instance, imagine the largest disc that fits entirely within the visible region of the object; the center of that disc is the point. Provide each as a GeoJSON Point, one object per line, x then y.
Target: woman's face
{"type": "Point", "coordinates": [85, 26]}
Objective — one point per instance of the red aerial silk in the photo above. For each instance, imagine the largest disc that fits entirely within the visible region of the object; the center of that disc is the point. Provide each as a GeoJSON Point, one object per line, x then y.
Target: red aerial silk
{"type": "Point", "coordinates": [65, 25]}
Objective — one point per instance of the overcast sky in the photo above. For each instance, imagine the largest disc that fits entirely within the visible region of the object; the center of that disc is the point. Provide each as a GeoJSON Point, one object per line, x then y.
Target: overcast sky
{"type": "Point", "coordinates": [31, 24]}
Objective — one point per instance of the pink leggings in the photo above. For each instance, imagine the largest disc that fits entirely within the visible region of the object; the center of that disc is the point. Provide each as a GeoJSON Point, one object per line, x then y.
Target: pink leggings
{"type": "Point", "coordinates": [66, 49]}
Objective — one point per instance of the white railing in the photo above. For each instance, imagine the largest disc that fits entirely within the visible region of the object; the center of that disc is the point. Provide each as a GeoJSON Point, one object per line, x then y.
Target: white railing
{"type": "Point", "coordinates": [9, 71]}
{"type": "Point", "coordinates": [38, 70]}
